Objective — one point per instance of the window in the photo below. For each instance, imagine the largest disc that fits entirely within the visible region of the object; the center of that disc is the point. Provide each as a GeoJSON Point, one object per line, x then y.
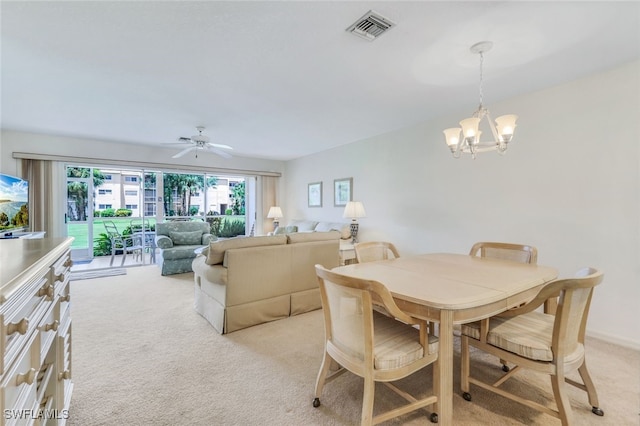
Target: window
{"type": "Point", "coordinates": [105, 206]}
{"type": "Point", "coordinates": [131, 206]}
{"type": "Point", "coordinates": [108, 177]}
{"type": "Point", "coordinates": [130, 192]}
{"type": "Point", "coordinates": [104, 191]}
{"type": "Point", "coordinates": [131, 178]}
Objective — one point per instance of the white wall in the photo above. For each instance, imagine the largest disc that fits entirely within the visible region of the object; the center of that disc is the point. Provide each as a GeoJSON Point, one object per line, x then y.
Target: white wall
{"type": "Point", "coordinates": [568, 185]}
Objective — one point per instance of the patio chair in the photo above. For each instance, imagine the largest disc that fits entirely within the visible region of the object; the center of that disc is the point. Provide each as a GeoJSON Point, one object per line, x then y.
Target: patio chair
{"type": "Point", "coordinates": [125, 244]}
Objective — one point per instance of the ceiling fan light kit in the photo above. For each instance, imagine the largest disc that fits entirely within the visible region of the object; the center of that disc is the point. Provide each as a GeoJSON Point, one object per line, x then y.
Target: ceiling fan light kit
{"type": "Point", "coordinates": [466, 138]}
{"type": "Point", "coordinates": [201, 142]}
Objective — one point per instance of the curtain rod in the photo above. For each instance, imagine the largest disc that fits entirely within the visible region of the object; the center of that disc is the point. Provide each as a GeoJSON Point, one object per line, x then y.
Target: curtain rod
{"type": "Point", "coordinates": [141, 164]}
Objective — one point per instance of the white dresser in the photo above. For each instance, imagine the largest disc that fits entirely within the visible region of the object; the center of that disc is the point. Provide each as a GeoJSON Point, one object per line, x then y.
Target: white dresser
{"type": "Point", "coordinates": [35, 328]}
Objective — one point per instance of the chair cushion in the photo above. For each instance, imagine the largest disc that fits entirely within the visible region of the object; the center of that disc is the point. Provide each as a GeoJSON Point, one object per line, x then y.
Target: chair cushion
{"type": "Point", "coordinates": [397, 344]}
{"type": "Point", "coordinates": [185, 238]}
{"type": "Point", "coordinates": [528, 335]}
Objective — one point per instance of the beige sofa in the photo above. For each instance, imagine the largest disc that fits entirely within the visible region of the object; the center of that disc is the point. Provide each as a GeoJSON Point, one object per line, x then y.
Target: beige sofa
{"type": "Point", "coordinates": [246, 281]}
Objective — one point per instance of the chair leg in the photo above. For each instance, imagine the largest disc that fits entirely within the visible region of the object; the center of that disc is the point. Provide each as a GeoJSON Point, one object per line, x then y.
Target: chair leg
{"type": "Point", "coordinates": [591, 389]}
{"type": "Point", "coordinates": [367, 401]}
{"type": "Point", "coordinates": [562, 400]}
{"type": "Point", "coordinates": [322, 376]}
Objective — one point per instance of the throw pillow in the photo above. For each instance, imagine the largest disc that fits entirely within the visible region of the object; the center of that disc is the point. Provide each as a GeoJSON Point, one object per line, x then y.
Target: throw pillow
{"type": "Point", "coordinates": [186, 238]}
{"type": "Point", "coordinates": [305, 237]}
{"type": "Point", "coordinates": [285, 230]}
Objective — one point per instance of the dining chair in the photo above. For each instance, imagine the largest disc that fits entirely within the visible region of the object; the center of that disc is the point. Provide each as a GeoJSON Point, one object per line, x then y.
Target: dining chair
{"type": "Point", "coordinates": [546, 343]}
{"type": "Point", "coordinates": [376, 347]}
{"type": "Point", "coordinates": [375, 250]}
{"type": "Point", "coordinates": [119, 242]}
{"type": "Point", "coordinates": [507, 251]}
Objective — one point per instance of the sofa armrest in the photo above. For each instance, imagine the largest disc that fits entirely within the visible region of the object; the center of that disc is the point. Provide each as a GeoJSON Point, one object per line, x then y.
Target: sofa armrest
{"type": "Point", "coordinates": [163, 242]}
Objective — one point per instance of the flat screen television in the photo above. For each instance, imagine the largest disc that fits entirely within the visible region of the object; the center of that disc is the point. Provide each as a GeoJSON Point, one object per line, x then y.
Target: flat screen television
{"type": "Point", "coordinates": [14, 205]}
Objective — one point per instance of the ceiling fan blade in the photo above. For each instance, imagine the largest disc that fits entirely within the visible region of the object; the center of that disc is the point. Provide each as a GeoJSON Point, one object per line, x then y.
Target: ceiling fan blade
{"type": "Point", "coordinates": [218, 152]}
{"type": "Point", "coordinates": [184, 151]}
{"type": "Point", "coordinates": [218, 145]}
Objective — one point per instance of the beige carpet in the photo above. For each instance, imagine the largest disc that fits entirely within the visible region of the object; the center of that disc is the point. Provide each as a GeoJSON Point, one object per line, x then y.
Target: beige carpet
{"type": "Point", "coordinates": [143, 356]}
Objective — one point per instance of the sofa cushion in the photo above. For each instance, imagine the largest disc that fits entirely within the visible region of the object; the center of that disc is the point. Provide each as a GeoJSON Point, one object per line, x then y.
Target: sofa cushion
{"type": "Point", "coordinates": [304, 225]}
{"type": "Point", "coordinates": [217, 249]}
{"type": "Point", "coordinates": [180, 252]}
{"type": "Point", "coordinates": [306, 237]}
{"type": "Point", "coordinates": [343, 228]}
{"type": "Point", "coordinates": [185, 238]}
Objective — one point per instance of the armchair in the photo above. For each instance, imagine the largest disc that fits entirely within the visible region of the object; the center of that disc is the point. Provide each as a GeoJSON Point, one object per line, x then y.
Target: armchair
{"type": "Point", "coordinates": [178, 241]}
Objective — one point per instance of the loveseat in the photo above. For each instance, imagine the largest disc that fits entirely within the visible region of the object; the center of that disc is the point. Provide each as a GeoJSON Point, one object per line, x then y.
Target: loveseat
{"type": "Point", "coordinates": [245, 281]}
{"type": "Point", "coordinates": [178, 241]}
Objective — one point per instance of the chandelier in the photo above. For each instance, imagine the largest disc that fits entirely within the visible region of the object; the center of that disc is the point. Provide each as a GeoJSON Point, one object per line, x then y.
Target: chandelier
{"type": "Point", "coordinates": [502, 129]}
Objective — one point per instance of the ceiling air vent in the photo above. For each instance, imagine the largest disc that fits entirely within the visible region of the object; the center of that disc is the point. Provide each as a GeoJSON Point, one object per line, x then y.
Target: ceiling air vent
{"type": "Point", "coordinates": [371, 26]}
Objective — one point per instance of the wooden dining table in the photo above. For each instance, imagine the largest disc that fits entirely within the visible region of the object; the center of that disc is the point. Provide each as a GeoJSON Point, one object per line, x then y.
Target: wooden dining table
{"type": "Point", "coordinates": [453, 289]}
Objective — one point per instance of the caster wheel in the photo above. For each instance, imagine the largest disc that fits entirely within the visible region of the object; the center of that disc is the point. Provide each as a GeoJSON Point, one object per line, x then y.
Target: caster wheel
{"type": "Point", "coordinates": [597, 411]}
{"type": "Point", "coordinates": [434, 418]}
{"type": "Point", "coordinates": [316, 402]}
{"type": "Point", "coordinates": [466, 396]}
{"type": "Point", "coordinates": [505, 368]}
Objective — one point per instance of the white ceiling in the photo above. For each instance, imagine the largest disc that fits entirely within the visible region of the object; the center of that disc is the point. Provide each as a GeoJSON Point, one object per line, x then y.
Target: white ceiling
{"type": "Point", "coordinates": [284, 79]}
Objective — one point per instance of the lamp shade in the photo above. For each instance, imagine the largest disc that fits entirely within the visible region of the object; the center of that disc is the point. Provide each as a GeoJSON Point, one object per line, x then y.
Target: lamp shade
{"type": "Point", "coordinates": [275, 212]}
{"type": "Point", "coordinates": [354, 210]}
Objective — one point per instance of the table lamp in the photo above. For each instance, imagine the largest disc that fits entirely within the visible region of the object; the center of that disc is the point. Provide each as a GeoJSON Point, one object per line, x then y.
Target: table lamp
{"type": "Point", "coordinates": [275, 213]}
{"type": "Point", "coordinates": [354, 210]}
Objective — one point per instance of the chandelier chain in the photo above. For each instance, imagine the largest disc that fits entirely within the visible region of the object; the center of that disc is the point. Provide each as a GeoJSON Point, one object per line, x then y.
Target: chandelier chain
{"type": "Point", "coordinates": [481, 61]}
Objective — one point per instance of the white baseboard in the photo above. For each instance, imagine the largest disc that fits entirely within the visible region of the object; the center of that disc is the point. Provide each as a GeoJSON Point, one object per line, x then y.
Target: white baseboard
{"type": "Point", "coordinates": [616, 340]}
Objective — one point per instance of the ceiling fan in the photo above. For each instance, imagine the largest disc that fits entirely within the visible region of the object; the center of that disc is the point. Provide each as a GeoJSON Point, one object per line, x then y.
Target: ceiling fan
{"type": "Point", "coordinates": [201, 142]}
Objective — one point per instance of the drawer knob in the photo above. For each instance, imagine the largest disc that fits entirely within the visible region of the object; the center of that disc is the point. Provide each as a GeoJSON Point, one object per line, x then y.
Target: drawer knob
{"type": "Point", "coordinates": [65, 375]}
{"type": "Point", "coordinates": [53, 326]}
{"type": "Point", "coordinates": [27, 377]}
{"type": "Point", "coordinates": [65, 298]}
{"type": "Point", "coordinates": [21, 326]}
{"type": "Point", "coordinates": [60, 277]}
{"type": "Point", "coordinates": [68, 262]}
{"type": "Point", "coordinates": [47, 290]}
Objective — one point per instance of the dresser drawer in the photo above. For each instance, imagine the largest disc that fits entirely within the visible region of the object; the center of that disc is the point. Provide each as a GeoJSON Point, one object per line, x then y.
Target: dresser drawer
{"type": "Point", "coordinates": [61, 272]}
{"type": "Point", "coordinates": [48, 328]}
{"type": "Point", "coordinates": [18, 396]}
{"type": "Point", "coordinates": [22, 318]}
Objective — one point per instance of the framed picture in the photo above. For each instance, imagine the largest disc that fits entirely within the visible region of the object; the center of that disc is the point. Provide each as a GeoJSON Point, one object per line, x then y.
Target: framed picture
{"type": "Point", "coordinates": [342, 191]}
{"type": "Point", "coordinates": [315, 194]}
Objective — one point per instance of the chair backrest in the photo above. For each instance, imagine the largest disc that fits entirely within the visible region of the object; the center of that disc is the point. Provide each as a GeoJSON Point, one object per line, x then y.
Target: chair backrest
{"type": "Point", "coordinates": [507, 251]}
{"type": "Point", "coordinates": [375, 250]}
{"type": "Point", "coordinates": [574, 299]}
{"type": "Point", "coordinates": [347, 304]}
{"type": "Point", "coordinates": [112, 229]}
{"type": "Point", "coordinates": [166, 228]}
